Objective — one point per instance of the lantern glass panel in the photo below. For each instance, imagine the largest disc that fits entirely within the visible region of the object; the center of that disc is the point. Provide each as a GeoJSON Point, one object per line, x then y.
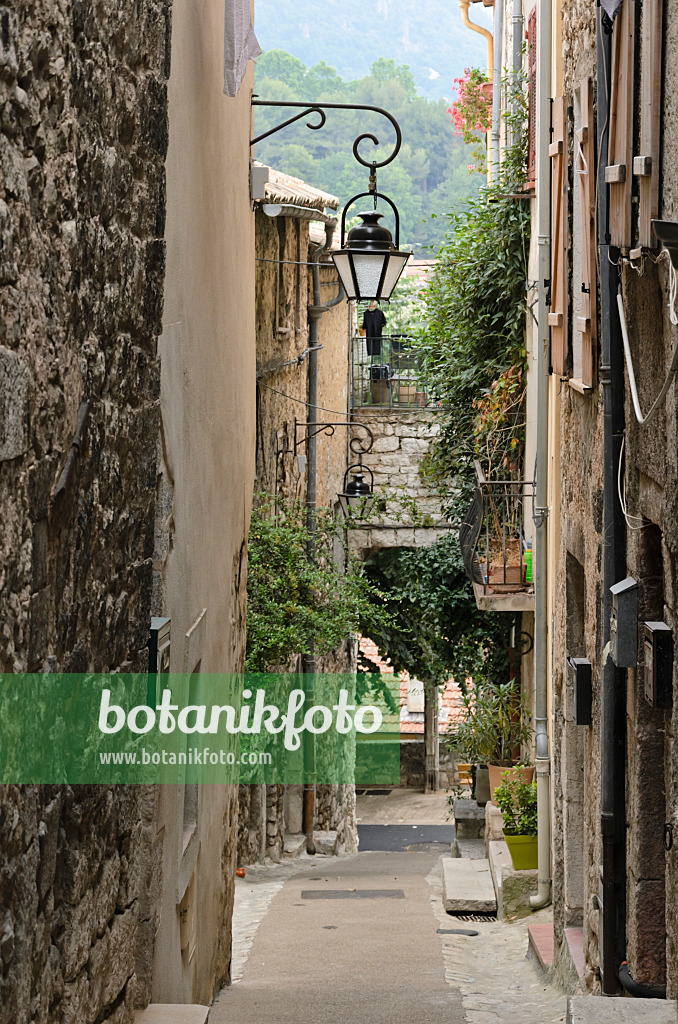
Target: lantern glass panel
{"type": "Point", "coordinates": [343, 264]}
{"type": "Point", "coordinates": [396, 265]}
{"type": "Point", "coordinates": [368, 269]}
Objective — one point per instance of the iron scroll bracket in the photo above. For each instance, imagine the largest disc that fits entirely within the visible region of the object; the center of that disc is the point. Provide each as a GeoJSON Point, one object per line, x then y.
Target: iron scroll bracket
{"type": "Point", "coordinates": [358, 445]}
{"type": "Point", "coordinates": [309, 109]}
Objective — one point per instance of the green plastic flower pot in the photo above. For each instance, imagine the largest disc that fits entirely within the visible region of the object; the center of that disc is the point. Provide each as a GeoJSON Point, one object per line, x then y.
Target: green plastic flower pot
{"type": "Point", "coordinates": [523, 850]}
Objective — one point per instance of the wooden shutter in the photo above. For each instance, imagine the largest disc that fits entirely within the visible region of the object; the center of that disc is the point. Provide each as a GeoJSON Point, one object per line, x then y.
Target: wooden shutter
{"type": "Point", "coordinates": [585, 186]}
{"type": "Point", "coordinates": [620, 151]}
{"type": "Point", "coordinates": [532, 98]}
{"type": "Point", "coordinates": [558, 316]}
{"type": "Point", "coordinates": [646, 165]}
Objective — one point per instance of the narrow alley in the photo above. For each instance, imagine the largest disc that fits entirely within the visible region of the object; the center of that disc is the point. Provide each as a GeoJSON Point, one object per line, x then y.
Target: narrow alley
{"type": "Point", "coordinates": [366, 937]}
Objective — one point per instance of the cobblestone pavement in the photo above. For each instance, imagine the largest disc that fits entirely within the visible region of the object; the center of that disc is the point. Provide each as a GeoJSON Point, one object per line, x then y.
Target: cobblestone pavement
{"type": "Point", "coordinates": [498, 983]}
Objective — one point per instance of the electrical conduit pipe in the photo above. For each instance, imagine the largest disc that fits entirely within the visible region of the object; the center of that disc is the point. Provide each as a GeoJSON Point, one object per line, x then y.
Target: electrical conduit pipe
{"type": "Point", "coordinates": [543, 759]}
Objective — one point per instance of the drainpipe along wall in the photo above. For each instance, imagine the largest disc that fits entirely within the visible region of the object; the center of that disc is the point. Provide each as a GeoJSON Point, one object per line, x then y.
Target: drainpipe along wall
{"type": "Point", "coordinates": [315, 311]}
{"type": "Point", "coordinates": [496, 85]}
{"type": "Point", "coordinates": [463, 7]}
{"type": "Point", "coordinates": [613, 709]}
{"type": "Point", "coordinates": [543, 759]}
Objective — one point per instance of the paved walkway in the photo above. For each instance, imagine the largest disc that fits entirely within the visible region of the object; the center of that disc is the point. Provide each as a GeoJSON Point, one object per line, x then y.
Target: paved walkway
{"type": "Point", "coordinates": [357, 960]}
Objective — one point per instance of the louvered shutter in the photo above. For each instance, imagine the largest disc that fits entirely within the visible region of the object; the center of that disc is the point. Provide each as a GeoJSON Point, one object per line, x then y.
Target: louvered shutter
{"type": "Point", "coordinates": [620, 151]}
{"type": "Point", "coordinates": [557, 318]}
{"type": "Point", "coordinates": [646, 165]}
{"type": "Point", "coordinates": [532, 98]}
{"type": "Point", "coordinates": [585, 185]}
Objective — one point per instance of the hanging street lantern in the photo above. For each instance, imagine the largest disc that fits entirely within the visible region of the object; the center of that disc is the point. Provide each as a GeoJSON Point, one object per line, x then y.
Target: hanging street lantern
{"type": "Point", "coordinates": [356, 491]}
{"type": "Point", "coordinates": [368, 263]}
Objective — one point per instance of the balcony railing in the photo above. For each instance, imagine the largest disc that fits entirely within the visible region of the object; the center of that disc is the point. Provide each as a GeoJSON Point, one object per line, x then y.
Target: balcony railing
{"type": "Point", "coordinates": [386, 372]}
{"type": "Point", "coordinates": [496, 552]}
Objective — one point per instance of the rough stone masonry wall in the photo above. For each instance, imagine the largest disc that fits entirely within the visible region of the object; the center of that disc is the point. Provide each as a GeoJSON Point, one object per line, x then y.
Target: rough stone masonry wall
{"type": "Point", "coordinates": [84, 133]}
{"type": "Point", "coordinates": [651, 475]}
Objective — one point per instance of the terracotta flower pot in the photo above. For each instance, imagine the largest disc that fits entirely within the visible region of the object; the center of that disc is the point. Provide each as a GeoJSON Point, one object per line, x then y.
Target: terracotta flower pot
{"type": "Point", "coordinates": [522, 773]}
{"type": "Point", "coordinates": [524, 852]}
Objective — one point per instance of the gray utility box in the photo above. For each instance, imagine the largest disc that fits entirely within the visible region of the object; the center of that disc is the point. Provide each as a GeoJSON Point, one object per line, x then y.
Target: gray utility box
{"type": "Point", "coordinates": [581, 681]}
{"type": "Point", "coordinates": [658, 664]}
{"type": "Point", "coordinates": [624, 623]}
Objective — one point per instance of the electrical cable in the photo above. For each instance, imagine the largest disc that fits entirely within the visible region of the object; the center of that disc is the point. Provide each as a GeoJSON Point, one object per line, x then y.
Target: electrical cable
{"type": "Point", "coordinates": [621, 491]}
{"type": "Point", "coordinates": [629, 363]}
{"type": "Point", "coordinates": [335, 412]}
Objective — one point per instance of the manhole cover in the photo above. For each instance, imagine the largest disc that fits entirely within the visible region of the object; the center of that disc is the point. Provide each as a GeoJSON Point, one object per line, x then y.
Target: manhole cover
{"type": "Point", "coordinates": [352, 894]}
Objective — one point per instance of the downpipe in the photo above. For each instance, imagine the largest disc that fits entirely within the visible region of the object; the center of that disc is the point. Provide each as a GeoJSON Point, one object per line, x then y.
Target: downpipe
{"type": "Point", "coordinates": [496, 86]}
{"type": "Point", "coordinates": [543, 759]}
{"type": "Point", "coordinates": [315, 311]}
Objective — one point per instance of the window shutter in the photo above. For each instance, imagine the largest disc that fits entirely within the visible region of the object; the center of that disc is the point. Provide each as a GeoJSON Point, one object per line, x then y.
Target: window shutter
{"type": "Point", "coordinates": [558, 316]}
{"type": "Point", "coordinates": [620, 151]}
{"type": "Point", "coordinates": [646, 165]}
{"type": "Point", "coordinates": [584, 183]}
{"type": "Point", "coordinates": [532, 98]}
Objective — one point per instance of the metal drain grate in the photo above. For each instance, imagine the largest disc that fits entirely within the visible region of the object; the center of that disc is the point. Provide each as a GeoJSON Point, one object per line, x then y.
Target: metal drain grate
{"type": "Point", "coordinates": [475, 918]}
{"type": "Point", "coordinates": [372, 792]}
{"type": "Point", "coordinates": [352, 894]}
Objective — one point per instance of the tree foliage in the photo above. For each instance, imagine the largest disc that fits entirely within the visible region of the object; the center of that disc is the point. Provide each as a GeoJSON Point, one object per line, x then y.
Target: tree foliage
{"type": "Point", "coordinates": [430, 173]}
{"type": "Point", "coordinates": [293, 603]}
{"type": "Point", "coordinates": [473, 344]}
{"type": "Point", "coordinates": [434, 630]}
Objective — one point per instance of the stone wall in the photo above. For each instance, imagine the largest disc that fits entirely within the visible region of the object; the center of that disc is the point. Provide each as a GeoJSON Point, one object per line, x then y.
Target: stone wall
{"type": "Point", "coordinates": [401, 440]}
{"type": "Point", "coordinates": [650, 473]}
{"type": "Point", "coordinates": [83, 108]}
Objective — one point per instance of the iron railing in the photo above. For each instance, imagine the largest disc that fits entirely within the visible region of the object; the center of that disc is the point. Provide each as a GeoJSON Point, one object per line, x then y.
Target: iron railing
{"type": "Point", "coordinates": [386, 372]}
{"type": "Point", "coordinates": [495, 549]}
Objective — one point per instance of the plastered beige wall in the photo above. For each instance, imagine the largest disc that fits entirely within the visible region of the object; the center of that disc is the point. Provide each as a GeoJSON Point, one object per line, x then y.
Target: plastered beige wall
{"type": "Point", "coordinates": [207, 400]}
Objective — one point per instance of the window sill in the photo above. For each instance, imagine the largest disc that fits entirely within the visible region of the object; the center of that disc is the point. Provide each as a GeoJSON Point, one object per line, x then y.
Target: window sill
{"type": "Point", "coordinates": [578, 385]}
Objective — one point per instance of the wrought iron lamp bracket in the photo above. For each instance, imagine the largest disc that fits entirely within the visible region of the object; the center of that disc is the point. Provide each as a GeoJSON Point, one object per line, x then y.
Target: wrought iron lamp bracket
{"type": "Point", "coordinates": [310, 108]}
{"type": "Point", "coordinates": [358, 445]}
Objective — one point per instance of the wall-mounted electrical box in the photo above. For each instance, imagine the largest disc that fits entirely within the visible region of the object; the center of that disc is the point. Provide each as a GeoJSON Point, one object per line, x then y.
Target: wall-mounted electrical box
{"type": "Point", "coordinates": [258, 181]}
{"type": "Point", "coordinates": [581, 680]}
{"type": "Point", "coordinates": [624, 623]}
{"type": "Point", "coordinates": [658, 659]}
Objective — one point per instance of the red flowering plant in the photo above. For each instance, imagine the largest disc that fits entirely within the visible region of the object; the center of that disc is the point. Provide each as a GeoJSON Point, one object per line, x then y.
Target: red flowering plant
{"type": "Point", "coordinates": [472, 114]}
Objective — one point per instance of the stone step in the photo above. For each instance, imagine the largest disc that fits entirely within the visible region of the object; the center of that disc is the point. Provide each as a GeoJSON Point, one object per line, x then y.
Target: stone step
{"type": "Point", "coordinates": [602, 1010]}
{"type": "Point", "coordinates": [513, 888]}
{"type": "Point", "coordinates": [467, 886]}
{"type": "Point", "coordinates": [173, 1013]}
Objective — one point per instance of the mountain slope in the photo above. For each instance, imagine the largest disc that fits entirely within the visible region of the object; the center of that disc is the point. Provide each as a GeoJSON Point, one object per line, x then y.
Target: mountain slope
{"type": "Point", "coordinates": [350, 35]}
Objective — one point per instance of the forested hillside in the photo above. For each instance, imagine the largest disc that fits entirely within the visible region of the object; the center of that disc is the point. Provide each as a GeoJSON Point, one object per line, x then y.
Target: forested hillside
{"type": "Point", "coordinates": [351, 34]}
{"type": "Point", "coordinates": [430, 176]}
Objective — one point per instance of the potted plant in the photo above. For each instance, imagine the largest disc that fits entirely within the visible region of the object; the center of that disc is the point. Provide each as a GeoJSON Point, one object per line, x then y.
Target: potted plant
{"type": "Point", "coordinates": [494, 725]}
{"type": "Point", "coordinates": [517, 802]}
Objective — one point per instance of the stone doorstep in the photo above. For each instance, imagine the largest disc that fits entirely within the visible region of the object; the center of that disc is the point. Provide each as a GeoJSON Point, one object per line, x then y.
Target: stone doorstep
{"type": "Point", "coordinates": [513, 888]}
{"type": "Point", "coordinates": [325, 842]}
{"type": "Point", "coordinates": [541, 945]}
{"type": "Point", "coordinates": [469, 819]}
{"type": "Point", "coordinates": [467, 886]}
{"type": "Point", "coordinates": [603, 1010]}
{"type": "Point", "coordinates": [173, 1013]}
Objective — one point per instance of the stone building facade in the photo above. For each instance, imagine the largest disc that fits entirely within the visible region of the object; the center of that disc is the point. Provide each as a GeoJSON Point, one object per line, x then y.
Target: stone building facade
{"type": "Point", "coordinates": [640, 494]}
{"type": "Point", "coordinates": [110, 481]}
{"type": "Point", "coordinates": [83, 96]}
{"type": "Point", "coordinates": [286, 240]}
